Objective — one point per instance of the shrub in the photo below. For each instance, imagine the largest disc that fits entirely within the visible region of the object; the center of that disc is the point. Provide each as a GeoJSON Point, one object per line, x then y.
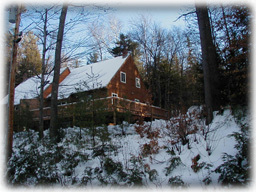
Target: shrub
{"type": "Point", "coordinates": [207, 180]}
{"type": "Point", "coordinates": [173, 163]}
{"type": "Point", "coordinates": [150, 148]}
{"type": "Point", "coordinates": [111, 167]}
{"type": "Point", "coordinates": [235, 169]}
{"type": "Point", "coordinates": [152, 174]}
{"type": "Point", "coordinates": [136, 172]}
{"type": "Point", "coordinates": [141, 129]}
{"type": "Point", "coordinates": [176, 181]}
{"type": "Point", "coordinates": [194, 165]}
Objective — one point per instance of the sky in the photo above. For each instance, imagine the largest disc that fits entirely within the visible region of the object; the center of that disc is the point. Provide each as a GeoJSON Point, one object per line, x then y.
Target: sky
{"type": "Point", "coordinates": [165, 16]}
{"type": "Point", "coordinates": [162, 12]}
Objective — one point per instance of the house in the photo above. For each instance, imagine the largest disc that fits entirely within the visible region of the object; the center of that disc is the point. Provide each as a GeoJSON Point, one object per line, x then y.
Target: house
{"type": "Point", "coordinates": [116, 81]}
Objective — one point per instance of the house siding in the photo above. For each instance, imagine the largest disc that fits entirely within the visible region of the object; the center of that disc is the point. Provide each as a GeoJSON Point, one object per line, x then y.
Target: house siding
{"type": "Point", "coordinates": [127, 93]}
{"type": "Point", "coordinates": [128, 89]}
{"type": "Point", "coordinates": [31, 103]}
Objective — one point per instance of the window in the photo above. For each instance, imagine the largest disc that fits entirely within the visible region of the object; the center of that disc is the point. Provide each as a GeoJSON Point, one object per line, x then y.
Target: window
{"type": "Point", "coordinates": [123, 77]}
{"type": "Point", "coordinates": [136, 100]}
{"type": "Point", "coordinates": [114, 95]}
{"type": "Point", "coordinates": [62, 103]}
{"type": "Point", "coordinates": [137, 82]}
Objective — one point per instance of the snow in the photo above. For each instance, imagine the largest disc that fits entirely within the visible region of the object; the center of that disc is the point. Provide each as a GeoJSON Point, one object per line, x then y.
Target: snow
{"type": "Point", "coordinates": [89, 77]}
{"type": "Point", "coordinates": [210, 147]}
{"type": "Point", "coordinates": [29, 89]}
{"type": "Point", "coordinates": [80, 79]}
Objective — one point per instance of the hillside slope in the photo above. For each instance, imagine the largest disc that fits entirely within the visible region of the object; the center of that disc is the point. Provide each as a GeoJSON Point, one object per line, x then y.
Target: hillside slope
{"type": "Point", "coordinates": [180, 152]}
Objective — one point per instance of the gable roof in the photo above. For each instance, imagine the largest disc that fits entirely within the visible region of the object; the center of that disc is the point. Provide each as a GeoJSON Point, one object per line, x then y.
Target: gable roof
{"type": "Point", "coordinates": [88, 77]}
{"type": "Point", "coordinates": [80, 79]}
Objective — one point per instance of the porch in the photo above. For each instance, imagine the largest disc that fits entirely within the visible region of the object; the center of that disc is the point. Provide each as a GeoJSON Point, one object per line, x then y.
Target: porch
{"type": "Point", "coordinates": [112, 105]}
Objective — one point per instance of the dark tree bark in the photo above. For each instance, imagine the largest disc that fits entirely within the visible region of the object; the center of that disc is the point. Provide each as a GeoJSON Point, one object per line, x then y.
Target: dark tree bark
{"type": "Point", "coordinates": [41, 115]}
{"type": "Point", "coordinates": [210, 67]}
{"type": "Point", "coordinates": [55, 84]}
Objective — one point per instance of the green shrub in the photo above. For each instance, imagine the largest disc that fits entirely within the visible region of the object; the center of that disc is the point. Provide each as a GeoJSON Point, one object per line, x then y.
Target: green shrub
{"type": "Point", "coordinates": [235, 169]}
{"type": "Point", "coordinates": [173, 163]}
{"type": "Point", "coordinates": [176, 181]}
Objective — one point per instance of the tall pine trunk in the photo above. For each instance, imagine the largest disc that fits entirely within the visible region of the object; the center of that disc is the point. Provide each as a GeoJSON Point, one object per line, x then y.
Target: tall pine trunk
{"type": "Point", "coordinates": [210, 67]}
{"type": "Point", "coordinates": [54, 125]}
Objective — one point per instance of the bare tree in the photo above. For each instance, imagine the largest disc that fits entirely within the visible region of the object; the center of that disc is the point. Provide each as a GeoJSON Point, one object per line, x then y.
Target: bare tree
{"type": "Point", "coordinates": [41, 22]}
{"type": "Point", "coordinates": [41, 107]}
{"type": "Point", "coordinates": [152, 40]}
{"type": "Point", "coordinates": [102, 35]}
{"type": "Point", "coordinates": [98, 34]}
{"type": "Point", "coordinates": [55, 83]}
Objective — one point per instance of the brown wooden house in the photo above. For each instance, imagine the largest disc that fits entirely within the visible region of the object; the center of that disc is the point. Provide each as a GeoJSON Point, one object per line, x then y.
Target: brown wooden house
{"type": "Point", "coordinates": [116, 84]}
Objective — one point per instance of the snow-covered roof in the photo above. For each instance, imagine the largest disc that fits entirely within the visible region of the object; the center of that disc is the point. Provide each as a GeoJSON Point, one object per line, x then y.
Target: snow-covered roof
{"type": "Point", "coordinates": [28, 89]}
{"type": "Point", "coordinates": [84, 78]}
{"type": "Point", "coordinates": [93, 76]}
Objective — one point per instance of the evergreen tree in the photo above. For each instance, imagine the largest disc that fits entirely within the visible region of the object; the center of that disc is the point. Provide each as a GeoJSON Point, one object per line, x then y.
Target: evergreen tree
{"type": "Point", "coordinates": [234, 50]}
{"type": "Point", "coordinates": [124, 45]}
{"type": "Point", "coordinates": [30, 61]}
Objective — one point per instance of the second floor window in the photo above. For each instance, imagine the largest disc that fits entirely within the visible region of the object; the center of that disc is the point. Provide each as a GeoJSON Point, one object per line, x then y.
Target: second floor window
{"type": "Point", "coordinates": [123, 77]}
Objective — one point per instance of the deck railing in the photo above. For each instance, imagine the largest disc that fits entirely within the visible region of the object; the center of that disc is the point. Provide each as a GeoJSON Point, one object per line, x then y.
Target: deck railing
{"type": "Point", "coordinates": [109, 104]}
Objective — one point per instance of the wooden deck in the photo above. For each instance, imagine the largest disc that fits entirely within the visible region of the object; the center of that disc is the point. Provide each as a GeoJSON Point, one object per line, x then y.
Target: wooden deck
{"type": "Point", "coordinates": [108, 104]}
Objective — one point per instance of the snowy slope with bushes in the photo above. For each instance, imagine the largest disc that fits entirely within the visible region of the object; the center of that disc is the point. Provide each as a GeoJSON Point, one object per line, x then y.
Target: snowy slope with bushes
{"type": "Point", "coordinates": [180, 152]}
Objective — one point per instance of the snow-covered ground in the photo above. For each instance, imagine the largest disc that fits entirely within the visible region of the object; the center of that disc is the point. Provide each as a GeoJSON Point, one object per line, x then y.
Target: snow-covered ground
{"type": "Point", "coordinates": [152, 154]}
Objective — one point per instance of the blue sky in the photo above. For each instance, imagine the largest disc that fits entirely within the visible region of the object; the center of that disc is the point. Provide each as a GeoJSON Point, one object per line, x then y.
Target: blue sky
{"type": "Point", "coordinates": [165, 16]}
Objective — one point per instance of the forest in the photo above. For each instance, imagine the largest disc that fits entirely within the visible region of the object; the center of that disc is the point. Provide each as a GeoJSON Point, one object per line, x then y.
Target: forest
{"type": "Point", "coordinates": [204, 64]}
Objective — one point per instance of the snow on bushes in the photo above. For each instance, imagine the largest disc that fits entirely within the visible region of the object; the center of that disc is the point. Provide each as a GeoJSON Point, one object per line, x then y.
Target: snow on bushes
{"type": "Point", "coordinates": [180, 152]}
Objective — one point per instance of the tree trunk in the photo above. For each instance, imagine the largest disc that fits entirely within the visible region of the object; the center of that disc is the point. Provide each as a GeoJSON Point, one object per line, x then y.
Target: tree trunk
{"type": "Point", "coordinates": [210, 67]}
{"type": "Point", "coordinates": [41, 107]}
{"type": "Point", "coordinates": [55, 84]}
{"type": "Point", "coordinates": [12, 85]}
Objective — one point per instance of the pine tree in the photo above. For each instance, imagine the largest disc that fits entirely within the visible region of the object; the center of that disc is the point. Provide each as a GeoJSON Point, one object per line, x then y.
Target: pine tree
{"type": "Point", "coordinates": [30, 61]}
{"type": "Point", "coordinates": [124, 45]}
{"type": "Point", "coordinates": [234, 52]}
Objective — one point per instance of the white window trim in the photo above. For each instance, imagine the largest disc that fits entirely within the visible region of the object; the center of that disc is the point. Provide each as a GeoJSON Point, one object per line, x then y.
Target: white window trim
{"type": "Point", "coordinates": [137, 79]}
{"type": "Point", "coordinates": [121, 77]}
{"type": "Point", "coordinates": [114, 95]}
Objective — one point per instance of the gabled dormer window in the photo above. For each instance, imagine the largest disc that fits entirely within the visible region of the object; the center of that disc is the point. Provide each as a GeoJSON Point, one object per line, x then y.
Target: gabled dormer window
{"type": "Point", "coordinates": [123, 77]}
{"type": "Point", "coordinates": [137, 82]}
